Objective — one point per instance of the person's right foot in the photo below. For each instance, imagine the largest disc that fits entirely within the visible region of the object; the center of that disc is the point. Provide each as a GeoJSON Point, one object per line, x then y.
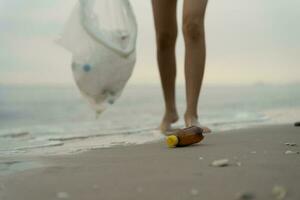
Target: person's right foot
{"type": "Point", "coordinates": [167, 121]}
{"type": "Point", "coordinates": [193, 121]}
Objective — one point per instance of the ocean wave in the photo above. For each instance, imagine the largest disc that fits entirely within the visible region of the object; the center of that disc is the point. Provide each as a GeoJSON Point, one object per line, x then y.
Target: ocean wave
{"type": "Point", "coordinates": [110, 133]}
{"type": "Point", "coordinates": [39, 146]}
{"type": "Point", "coordinates": [249, 121]}
{"type": "Point", "coordinates": [15, 135]}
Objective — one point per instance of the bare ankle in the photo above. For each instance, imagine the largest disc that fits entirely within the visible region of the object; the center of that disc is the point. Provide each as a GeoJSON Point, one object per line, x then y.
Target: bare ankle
{"type": "Point", "coordinates": [169, 118]}
{"type": "Point", "coordinates": [171, 115]}
{"type": "Point", "coordinates": [190, 115]}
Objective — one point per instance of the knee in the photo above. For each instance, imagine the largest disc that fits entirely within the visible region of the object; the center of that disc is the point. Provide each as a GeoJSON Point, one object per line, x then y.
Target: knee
{"type": "Point", "coordinates": [166, 40]}
{"type": "Point", "coordinates": [193, 28]}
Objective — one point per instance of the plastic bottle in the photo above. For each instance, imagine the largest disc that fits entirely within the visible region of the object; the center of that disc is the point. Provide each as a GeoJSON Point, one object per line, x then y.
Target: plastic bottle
{"type": "Point", "coordinates": [185, 137]}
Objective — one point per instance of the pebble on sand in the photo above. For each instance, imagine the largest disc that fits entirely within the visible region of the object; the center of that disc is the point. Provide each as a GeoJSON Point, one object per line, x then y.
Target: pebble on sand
{"type": "Point", "coordinates": [290, 144]}
{"type": "Point", "coordinates": [62, 195]}
{"type": "Point", "coordinates": [245, 196]}
{"type": "Point", "coordinates": [297, 123]}
{"type": "Point", "coordinates": [220, 163]}
{"type": "Point", "coordinates": [292, 152]}
{"type": "Point", "coordinates": [279, 192]}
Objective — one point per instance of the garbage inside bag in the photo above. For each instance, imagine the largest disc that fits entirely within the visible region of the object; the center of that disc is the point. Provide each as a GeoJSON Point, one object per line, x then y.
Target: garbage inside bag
{"type": "Point", "coordinates": [101, 36]}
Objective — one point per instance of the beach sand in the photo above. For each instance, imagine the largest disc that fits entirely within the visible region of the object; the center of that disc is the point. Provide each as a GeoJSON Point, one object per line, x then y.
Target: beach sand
{"type": "Point", "coordinates": [257, 164]}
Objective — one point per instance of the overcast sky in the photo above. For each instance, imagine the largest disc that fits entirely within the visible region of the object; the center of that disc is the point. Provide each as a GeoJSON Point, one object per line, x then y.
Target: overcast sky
{"type": "Point", "coordinates": [248, 41]}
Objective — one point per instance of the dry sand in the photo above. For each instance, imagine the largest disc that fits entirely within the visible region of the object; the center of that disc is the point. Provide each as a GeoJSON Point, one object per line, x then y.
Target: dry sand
{"type": "Point", "coordinates": [257, 163]}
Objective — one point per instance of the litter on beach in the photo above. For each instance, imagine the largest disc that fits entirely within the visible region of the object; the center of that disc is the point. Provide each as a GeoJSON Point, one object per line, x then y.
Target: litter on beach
{"type": "Point", "coordinates": [220, 163]}
{"type": "Point", "coordinates": [279, 192]}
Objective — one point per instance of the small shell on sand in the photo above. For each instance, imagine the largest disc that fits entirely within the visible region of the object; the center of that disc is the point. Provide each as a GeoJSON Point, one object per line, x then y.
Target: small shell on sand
{"type": "Point", "coordinates": [220, 163]}
{"type": "Point", "coordinates": [96, 186]}
{"type": "Point", "coordinates": [194, 192]}
{"type": "Point", "coordinates": [62, 195]}
{"type": "Point", "coordinates": [139, 189]}
{"type": "Point", "coordinates": [279, 192]}
{"type": "Point", "coordinates": [292, 152]}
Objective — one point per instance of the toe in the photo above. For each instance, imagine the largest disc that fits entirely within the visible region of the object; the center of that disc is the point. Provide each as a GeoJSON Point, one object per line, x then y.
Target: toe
{"type": "Point", "coordinates": [206, 130]}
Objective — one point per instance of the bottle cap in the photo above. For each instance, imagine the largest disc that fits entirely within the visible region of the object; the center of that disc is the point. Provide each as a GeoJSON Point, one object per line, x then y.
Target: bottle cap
{"type": "Point", "coordinates": [172, 141]}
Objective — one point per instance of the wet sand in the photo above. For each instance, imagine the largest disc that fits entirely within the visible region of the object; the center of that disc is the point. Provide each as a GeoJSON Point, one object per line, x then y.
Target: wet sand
{"type": "Point", "coordinates": [257, 163]}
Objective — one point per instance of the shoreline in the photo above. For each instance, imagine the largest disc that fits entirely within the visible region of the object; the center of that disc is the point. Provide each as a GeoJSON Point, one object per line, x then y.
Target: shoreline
{"type": "Point", "coordinates": [257, 163]}
{"type": "Point", "coordinates": [69, 145]}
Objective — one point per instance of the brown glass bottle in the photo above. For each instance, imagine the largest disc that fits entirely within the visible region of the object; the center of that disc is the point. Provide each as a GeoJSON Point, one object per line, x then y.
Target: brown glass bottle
{"type": "Point", "coordinates": [185, 137]}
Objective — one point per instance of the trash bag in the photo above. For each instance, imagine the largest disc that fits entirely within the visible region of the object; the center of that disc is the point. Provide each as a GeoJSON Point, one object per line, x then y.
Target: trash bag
{"type": "Point", "coordinates": [101, 36]}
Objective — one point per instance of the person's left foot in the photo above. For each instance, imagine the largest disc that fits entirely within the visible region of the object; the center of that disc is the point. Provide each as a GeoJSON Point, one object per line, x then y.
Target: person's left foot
{"type": "Point", "coordinates": [168, 119]}
{"type": "Point", "coordinates": [193, 121]}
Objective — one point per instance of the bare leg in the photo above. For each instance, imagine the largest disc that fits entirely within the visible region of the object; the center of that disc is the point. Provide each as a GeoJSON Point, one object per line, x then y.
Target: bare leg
{"type": "Point", "coordinates": [166, 34]}
{"type": "Point", "coordinates": [194, 36]}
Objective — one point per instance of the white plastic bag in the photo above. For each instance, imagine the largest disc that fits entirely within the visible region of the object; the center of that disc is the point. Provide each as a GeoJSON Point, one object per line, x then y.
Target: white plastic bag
{"type": "Point", "coordinates": [101, 35]}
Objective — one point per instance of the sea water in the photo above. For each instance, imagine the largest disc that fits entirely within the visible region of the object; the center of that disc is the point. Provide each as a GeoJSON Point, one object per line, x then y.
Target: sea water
{"type": "Point", "coordinates": [57, 120]}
